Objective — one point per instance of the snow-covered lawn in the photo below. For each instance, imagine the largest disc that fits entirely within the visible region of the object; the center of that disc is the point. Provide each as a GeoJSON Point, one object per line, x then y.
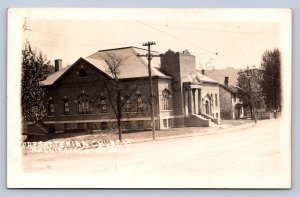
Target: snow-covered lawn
{"type": "Point", "coordinates": [247, 157]}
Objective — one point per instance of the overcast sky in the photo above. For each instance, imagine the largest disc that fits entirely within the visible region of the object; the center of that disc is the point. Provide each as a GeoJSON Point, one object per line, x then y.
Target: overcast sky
{"type": "Point", "coordinates": [218, 43]}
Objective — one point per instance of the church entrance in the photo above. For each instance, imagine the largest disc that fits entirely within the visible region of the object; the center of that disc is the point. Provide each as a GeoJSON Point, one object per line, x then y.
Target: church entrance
{"type": "Point", "coordinates": [206, 107]}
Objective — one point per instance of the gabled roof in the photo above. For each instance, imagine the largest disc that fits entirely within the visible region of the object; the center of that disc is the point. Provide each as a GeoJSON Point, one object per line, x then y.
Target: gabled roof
{"type": "Point", "coordinates": [230, 88]}
{"type": "Point", "coordinates": [133, 67]}
{"type": "Point", "coordinates": [99, 64]}
{"type": "Point", "coordinates": [198, 77]}
{"type": "Point", "coordinates": [220, 74]}
{"type": "Point", "coordinates": [54, 76]}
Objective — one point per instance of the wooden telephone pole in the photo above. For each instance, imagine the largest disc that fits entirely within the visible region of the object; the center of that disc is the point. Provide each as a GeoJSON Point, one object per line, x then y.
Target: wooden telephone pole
{"type": "Point", "coordinates": [149, 57]}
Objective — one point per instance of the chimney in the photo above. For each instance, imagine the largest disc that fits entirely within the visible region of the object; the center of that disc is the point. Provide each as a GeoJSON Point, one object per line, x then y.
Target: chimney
{"type": "Point", "coordinates": [226, 81]}
{"type": "Point", "coordinates": [203, 72]}
{"type": "Point", "coordinates": [57, 65]}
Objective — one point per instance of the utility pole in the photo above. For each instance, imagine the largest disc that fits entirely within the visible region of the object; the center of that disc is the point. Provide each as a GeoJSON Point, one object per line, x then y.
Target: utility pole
{"type": "Point", "coordinates": [250, 93]}
{"type": "Point", "coordinates": [149, 57]}
{"type": "Point", "coordinates": [248, 75]}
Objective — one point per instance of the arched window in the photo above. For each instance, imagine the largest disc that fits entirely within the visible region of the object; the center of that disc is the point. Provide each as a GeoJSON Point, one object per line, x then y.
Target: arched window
{"type": "Point", "coordinates": [216, 98]}
{"type": "Point", "coordinates": [166, 100]}
{"type": "Point", "coordinates": [82, 72]}
{"type": "Point", "coordinates": [66, 106]}
{"type": "Point", "coordinates": [127, 104]}
{"type": "Point", "coordinates": [84, 104]}
{"type": "Point", "coordinates": [51, 107]}
{"type": "Point", "coordinates": [103, 105]}
{"type": "Point", "coordinates": [212, 100]}
{"type": "Point", "coordinates": [139, 103]}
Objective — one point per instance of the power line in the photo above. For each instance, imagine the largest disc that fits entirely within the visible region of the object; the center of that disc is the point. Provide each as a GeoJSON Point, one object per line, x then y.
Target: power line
{"type": "Point", "coordinates": [190, 43]}
{"type": "Point", "coordinates": [76, 38]}
{"type": "Point", "coordinates": [116, 43]}
{"type": "Point", "coordinates": [178, 38]}
{"type": "Point", "coordinates": [223, 31]}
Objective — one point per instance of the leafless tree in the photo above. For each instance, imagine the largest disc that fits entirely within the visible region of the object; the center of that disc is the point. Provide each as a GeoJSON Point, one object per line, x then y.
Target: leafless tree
{"type": "Point", "coordinates": [249, 90]}
{"type": "Point", "coordinates": [115, 88]}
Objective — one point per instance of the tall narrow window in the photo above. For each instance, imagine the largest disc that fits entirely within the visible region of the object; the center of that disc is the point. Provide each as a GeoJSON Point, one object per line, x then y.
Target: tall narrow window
{"type": "Point", "coordinates": [66, 106]}
{"type": "Point", "coordinates": [84, 104]}
{"type": "Point", "coordinates": [212, 100]}
{"type": "Point", "coordinates": [139, 103]}
{"type": "Point", "coordinates": [51, 107]}
{"type": "Point", "coordinates": [103, 106]}
{"type": "Point", "coordinates": [166, 100]}
{"type": "Point", "coordinates": [216, 98]}
{"type": "Point", "coordinates": [127, 105]}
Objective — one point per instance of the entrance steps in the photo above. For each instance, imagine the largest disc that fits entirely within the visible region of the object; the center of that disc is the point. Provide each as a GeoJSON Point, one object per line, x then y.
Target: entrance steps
{"type": "Point", "coordinates": [201, 120]}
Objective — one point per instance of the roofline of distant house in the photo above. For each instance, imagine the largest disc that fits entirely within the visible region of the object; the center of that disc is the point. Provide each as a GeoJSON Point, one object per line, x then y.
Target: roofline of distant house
{"type": "Point", "coordinates": [120, 48]}
{"type": "Point", "coordinates": [228, 88]}
{"type": "Point", "coordinates": [214, 82]}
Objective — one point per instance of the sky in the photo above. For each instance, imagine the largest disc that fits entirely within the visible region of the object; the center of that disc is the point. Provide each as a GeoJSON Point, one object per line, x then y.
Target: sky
{"type": "Point", "coordinates": [217, 43]}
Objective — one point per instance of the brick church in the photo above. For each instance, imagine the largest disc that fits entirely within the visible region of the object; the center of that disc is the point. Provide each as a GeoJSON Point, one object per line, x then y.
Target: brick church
{"type": "Point", "coordinates": [76, 98]}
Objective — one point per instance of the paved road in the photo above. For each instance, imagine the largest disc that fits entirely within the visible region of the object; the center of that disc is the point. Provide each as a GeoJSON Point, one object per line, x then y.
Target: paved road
{"type": "Point", "coordinates": [254, 157]}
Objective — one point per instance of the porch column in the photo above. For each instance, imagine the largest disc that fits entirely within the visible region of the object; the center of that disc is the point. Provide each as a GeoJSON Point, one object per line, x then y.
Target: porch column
{"type": "Point", "coordinates": [190, 100]}
{"type": "Point", "coordinates": [194, 100]}
{"type": "Point", "coordinates": [199, 101]}
{"type": "Point", "coordinates": [210, 107]}
{"type": "Point", "coordinates": [185, 102]}
{"type": "Point", "coordinates": [233, 114]}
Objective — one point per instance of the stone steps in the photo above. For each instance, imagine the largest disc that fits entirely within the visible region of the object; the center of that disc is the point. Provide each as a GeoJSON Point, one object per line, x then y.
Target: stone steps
{"type": "Point", "coordinates": [211, 123]}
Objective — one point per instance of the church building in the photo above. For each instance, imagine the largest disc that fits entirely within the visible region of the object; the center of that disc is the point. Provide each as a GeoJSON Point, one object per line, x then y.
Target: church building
{"type": "Point", "coordinates": [77, 97]}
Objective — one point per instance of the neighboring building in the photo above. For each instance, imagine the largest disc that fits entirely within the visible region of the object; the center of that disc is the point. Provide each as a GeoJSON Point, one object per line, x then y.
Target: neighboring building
{"type": "Point", "coordinates": [219, 74]}
{"type": "Point", "coordinates": [76, 96]}
{"type": "Point", "coordinates": [231, 107]}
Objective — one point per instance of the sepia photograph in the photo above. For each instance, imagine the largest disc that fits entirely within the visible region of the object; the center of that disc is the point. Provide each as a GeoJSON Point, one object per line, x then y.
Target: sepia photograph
{"type": "Point", "coordinates": [149, 98]}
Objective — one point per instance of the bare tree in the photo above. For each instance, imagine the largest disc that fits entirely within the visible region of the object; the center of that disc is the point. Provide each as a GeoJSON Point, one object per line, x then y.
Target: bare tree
{"type": "Point", "coordinates": [118, 97]}
{"type": "Point", "coordinates": [249, 90]}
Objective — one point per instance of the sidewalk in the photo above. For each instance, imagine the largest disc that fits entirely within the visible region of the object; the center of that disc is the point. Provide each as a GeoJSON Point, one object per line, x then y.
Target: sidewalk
{"type": "Point", "coordinates": [144, 136]}
{"type": "Point", "coordinates": [201, 132]}
{"type": "Point", "coordinates": [102, 140]}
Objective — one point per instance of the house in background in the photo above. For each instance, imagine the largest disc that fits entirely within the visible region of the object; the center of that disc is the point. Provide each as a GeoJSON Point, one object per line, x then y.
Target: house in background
{"type": "Point", "coordinates": [219, 74]}
{"type": "Point", "coordinates": [231, 107]}
{"type": "Point", "coordinates": [76, 96]}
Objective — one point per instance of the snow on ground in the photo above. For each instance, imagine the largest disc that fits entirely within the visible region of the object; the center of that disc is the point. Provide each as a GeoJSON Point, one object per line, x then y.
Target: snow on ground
{"type": "Point", "coordinates": [235, 157]}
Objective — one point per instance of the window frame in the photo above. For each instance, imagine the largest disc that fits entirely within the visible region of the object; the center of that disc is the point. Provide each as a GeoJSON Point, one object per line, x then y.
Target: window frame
{"type": "Point", "coordinates": [51, 106]}
{"type": "Point", "coordinates": [66, 101]}
{"type": "Point", "coordinates": [84, 105]}
{"type": "Point", "coordinates": [103, 106]}
{"type": "Point", "coordinates": [166, 100]}
{"type": "Point", "coordinates": [139, 103]}
{"type": "Point", "coordinates": [127, 104]}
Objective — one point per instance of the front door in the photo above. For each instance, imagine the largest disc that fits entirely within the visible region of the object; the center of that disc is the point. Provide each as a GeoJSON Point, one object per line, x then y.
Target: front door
{"type": "Point", "coordinates": [206, 107]}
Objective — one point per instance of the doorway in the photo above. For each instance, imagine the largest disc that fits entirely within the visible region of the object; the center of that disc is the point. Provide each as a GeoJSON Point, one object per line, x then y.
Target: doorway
{"type": "Point", "coordinates": [206, 107]}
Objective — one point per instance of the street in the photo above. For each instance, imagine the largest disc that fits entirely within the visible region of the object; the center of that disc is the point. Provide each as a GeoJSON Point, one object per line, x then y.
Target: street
{"type": "Point", "coordinates": [255, 157]}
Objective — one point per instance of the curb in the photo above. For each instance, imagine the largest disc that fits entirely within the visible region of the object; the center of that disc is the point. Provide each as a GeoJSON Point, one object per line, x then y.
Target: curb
{"type": "Point", "coordinates": [215, 131]}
